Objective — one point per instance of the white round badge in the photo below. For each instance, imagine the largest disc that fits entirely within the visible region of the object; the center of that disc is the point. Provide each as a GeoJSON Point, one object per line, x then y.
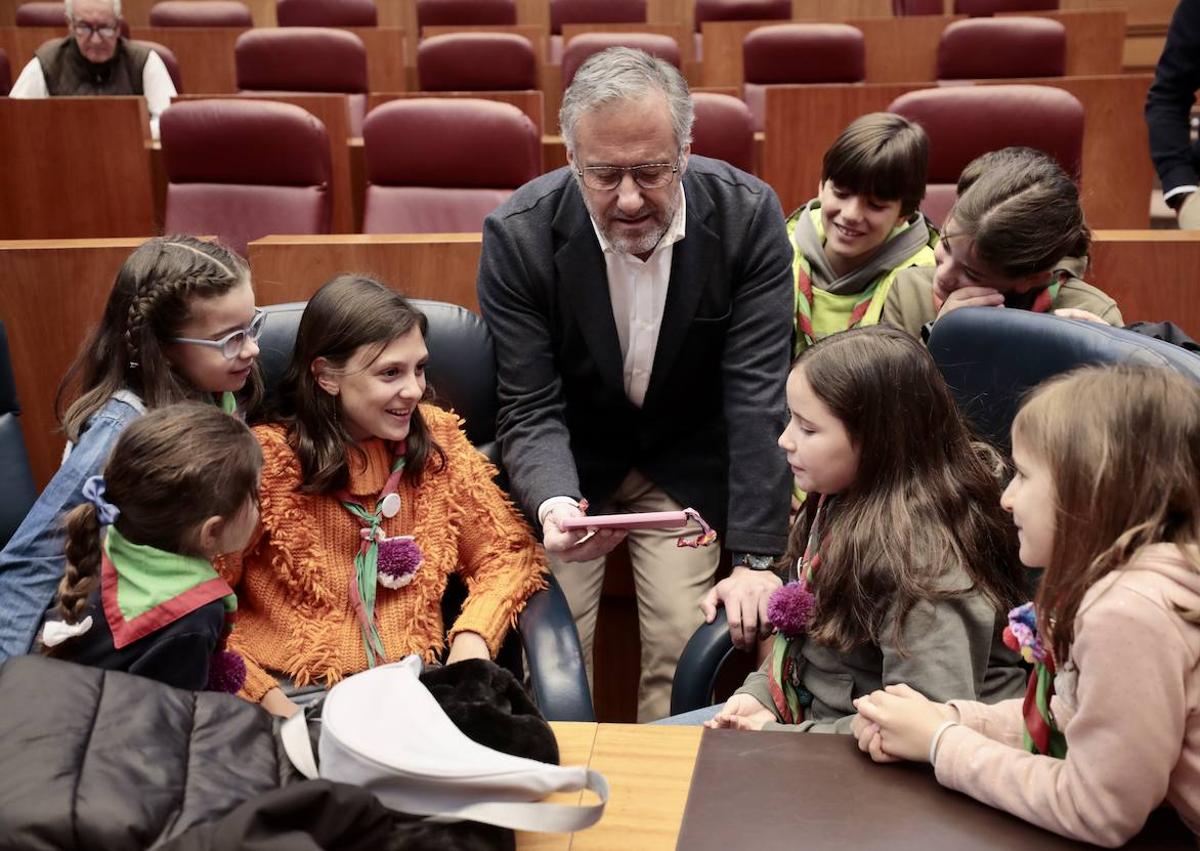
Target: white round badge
{"type": "Point", "coordinates": [391, 505]}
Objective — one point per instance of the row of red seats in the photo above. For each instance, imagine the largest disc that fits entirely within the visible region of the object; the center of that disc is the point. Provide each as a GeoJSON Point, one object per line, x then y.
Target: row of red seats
{"type": "Point", "coordinates": [243, 169]}
{"type": "Point", "coordinates": [431, 13]}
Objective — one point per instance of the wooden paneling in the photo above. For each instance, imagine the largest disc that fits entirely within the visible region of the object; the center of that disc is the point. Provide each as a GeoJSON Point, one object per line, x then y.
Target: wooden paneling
{"type": "Point", "coordinates": [75, 167]}
{"type": "Point", "coordinates": [1153, 274]}
{"type": "Point", "coordinates": [331, 111]}
{"type": "Point", "coordinates": [802, 121]}
{"type": "Point", "coordinates": [904, 50]}
{"type": "Point", "coordinates": [51, 294]}
{"type": "Point", "coordinates": [205, 55]}
{"type": "Point", "coordinates": [21, 42]}
{"type": "Point", "coordinates": [385, 57]}
{"type": "Point", "coordinates": [438, 266]}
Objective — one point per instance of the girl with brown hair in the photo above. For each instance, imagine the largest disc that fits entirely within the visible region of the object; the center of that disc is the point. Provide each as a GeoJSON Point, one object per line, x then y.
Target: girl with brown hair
{"type": "Point", "coordinates": [140, 593]}
{"type": "Point", "coordinates": [900, 561]}
{"type": "Point", "coordinates": [370, 500]}
{"type": "Point", "coordinates": [1106, 498]}
{"type": "Point", "coordinates": [1016, 237]}
{"type": "Point", "coordinates": [180, 324]}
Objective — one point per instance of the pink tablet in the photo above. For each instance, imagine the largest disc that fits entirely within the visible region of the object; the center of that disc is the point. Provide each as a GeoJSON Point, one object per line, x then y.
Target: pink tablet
{"type": "Point", "coordinates": [645, 520]}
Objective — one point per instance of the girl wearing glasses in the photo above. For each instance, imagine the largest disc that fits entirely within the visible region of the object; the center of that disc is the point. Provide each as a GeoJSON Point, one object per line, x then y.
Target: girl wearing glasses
{"type": "Point", "coordinates": [180, 324]}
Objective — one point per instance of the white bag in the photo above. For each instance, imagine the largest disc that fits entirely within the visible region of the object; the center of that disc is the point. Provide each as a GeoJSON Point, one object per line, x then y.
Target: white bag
{"type": "Point", "coordinates": [383, 730]}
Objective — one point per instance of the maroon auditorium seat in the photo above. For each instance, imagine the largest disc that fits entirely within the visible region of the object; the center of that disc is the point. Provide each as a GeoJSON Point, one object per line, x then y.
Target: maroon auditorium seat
{"type": "Point", "coordinates": [723, 129]}
{"type": "Point", "coordinates": [738, 10]}
{"type": "Point", "coordinates": [168, 59]}
{"type": "Point", "coordinates": [243, 169]}
{"type": "Point", "coordinates": [966, 121]}
{"type": "Point", "coordinates": [476, 62]}
{"type": "Point", "coordinates": [453, 13]}
{"type": "Point", "coordinates": [326, 13]}
{"type": "Point", "coordinates": [440, 165]}
{"type": "Point", "coordinates": [305, 59]}
{"type": "Point", "coordinates": [5, 74]}
{"type": "Point", "coordinates": [983, 8]}
{"type": "Point", "coordinates": [1002, 48]}
{"type": "Point", "coordinates": [590, 12]}
{"type": "Point", "coordinates": [47, 14]}
{"type": "Point", "coordinates": [200, 13]}
{"type": "Point", "coordinates": [799, 53]}
{"type": "Point", "coordinates": [581, 47]}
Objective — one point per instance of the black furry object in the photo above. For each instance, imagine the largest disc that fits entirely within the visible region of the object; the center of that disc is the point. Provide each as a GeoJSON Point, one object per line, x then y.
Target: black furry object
{"type": "Point", "coordinates": [489, 705]}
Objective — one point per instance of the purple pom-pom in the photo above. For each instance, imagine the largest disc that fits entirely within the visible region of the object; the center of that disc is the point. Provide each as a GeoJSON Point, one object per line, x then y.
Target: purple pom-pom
{"type": "Point", "coordinates": [790, 608]}
{"type": "Point", "coordinates": [397, 561]}
{"type": "Point", "coordinates": [226, 672]}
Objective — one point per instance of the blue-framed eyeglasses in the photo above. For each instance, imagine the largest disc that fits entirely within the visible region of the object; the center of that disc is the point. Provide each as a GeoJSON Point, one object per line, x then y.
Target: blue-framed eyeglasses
{"type": "Point", "coordinates": [231, 344]}
{"type": "Point", "coordinates": [605, 178]}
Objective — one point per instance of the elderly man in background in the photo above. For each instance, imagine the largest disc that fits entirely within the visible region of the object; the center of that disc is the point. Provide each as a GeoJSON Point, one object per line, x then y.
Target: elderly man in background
{"type": "Point", "coordinates": [95, 60]}
{"type": "Point", "coordinates": [641, 304]}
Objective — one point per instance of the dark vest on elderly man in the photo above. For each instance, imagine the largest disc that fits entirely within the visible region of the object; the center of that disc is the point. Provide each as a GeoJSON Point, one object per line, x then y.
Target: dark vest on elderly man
{"type": "Point", "coordinates": [67, 72]}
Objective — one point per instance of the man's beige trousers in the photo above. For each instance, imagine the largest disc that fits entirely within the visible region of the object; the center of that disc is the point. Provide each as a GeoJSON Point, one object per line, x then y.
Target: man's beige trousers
{"type": "Point", "coordinates": [669, 581]}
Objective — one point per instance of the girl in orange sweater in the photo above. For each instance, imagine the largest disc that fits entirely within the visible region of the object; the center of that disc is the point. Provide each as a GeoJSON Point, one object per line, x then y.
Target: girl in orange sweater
{"type": "Point", "coordinates": [369, 501]}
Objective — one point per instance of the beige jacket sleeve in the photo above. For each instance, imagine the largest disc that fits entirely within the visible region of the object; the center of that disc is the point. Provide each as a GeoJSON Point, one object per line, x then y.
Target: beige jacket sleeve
{"type": "Point", "coordinates": [1123, 740]}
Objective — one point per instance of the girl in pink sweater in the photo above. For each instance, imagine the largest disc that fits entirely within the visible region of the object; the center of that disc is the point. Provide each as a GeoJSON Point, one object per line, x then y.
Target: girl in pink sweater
{"type": "Point", "coordinates": [1106, 497]}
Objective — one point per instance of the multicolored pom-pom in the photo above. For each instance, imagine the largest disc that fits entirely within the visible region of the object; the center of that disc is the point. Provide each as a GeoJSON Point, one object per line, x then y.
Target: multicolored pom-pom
{"type": "Point", "coordinates": [398, 561]}
{"type": "Point", "coordinates": [790, 608]}
{"type": "Point", "coordinates": [226, 672]}
{"type": "Point", "coordinates": [1021, 634]}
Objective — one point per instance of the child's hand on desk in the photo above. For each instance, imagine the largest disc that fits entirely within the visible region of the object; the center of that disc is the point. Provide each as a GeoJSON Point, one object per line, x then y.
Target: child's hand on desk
{"type": "Point", "coordinates": [741, 712]}
{"type": "Point", "coordinates": [904, 721]}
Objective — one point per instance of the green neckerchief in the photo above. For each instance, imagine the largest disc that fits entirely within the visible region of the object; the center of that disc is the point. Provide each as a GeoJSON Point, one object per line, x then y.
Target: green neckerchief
{"type": "Point", "coordinates": [366, 560]}
{"type": "Point", "coordinates": [145, 588]}
{"type": "Point", "coordinates": [228, 403]}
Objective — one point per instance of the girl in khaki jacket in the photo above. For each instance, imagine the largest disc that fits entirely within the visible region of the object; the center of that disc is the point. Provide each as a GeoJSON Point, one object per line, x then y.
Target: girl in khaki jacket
{"type": "Point", "coordinates": [1107, 499]}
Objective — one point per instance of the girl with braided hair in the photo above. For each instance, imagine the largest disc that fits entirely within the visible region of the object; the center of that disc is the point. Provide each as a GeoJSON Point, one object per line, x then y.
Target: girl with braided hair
{"type": "Point", "coordinates": [180, 324]}
{"type": "Point", "coordinates": [140, 593]}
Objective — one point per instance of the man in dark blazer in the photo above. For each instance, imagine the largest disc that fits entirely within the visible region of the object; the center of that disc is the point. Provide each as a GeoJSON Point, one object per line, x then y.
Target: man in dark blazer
{"type": "Point", "coordinates": [1168, 114]}
{"type": "Point", "coordinates": [641, 303]}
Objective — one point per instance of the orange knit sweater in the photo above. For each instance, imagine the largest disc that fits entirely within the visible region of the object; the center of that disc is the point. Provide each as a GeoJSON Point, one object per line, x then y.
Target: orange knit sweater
{"type": "Point", "coordinates": [294, 614]}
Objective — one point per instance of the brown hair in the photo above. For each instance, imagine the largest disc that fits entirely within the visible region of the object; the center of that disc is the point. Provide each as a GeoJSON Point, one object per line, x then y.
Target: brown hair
{"type": "Point", "coordinates": [150, 301]}
{"type": "Point", "coordinates": [1022, 211]}
{"type": "Point", "coordinates": [924, 501]}
{"type": "Point", "coordinates": [347, 313]}
{"type": "Point", "coordinates": [1124, 469]}
{"type": "Point", "coordinates": [882, 155]}
{"type": "Point", "coordinates": [169, 471]}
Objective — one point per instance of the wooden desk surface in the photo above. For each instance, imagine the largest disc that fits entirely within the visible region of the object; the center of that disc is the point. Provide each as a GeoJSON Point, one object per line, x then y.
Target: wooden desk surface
{"type": "Point", "coordinates": [649, 770]}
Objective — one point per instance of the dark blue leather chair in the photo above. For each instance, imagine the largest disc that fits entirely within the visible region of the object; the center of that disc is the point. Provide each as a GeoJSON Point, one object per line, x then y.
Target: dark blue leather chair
{"type": "Point", "coordinates": [17, 493]}
{"type": "Point", "coordinates": [990, 359]}
{"type": "Point", "coordinates": [462, 374]}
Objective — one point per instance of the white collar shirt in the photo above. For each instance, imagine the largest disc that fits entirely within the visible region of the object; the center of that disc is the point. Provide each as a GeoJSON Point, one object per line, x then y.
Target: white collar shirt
{"type": "Point", "coordinates": [638, 292]}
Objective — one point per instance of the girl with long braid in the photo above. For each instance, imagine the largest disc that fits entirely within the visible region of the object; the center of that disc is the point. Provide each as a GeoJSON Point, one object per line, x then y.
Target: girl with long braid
{"type": "Point", "coordinates": [180, 324]}
{"type": "Point", "coordinates": [140, 593]}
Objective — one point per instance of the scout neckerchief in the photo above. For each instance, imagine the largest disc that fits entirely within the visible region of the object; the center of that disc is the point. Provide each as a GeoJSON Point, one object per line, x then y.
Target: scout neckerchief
{"type": "Point", "coordinates": [389, 561]}
{"type": "Point", "coordinates": [789, 610]}
{"type": "Point", "coordinates": [1042, 735]}
{"type": "Point", "coordinates": [144, 589]}
{"type": "Point", "coordinates": [805, 300]}
{"type": "Point", "coordinates": [1046, 298]}
{"type": "Point", "coordinates": [229, 403]}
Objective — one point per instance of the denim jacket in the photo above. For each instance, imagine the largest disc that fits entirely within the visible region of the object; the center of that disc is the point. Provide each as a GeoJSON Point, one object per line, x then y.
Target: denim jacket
{"type": "Point", "coordinates": [33, 562]}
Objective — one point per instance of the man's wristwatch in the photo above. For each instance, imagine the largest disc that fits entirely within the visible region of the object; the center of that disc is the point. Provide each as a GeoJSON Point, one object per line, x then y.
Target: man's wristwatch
{"type": "Point", "coordinates": [753, 561]}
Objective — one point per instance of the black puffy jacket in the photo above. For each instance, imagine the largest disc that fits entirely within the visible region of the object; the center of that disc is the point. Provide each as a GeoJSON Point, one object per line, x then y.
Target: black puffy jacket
{"type": "Point", "coordinates": [101, 759]}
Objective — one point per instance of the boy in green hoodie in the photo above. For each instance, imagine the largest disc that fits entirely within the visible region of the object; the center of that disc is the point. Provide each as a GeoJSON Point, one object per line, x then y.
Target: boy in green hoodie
{"type": "Point", "coordinates": [862, 228]}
